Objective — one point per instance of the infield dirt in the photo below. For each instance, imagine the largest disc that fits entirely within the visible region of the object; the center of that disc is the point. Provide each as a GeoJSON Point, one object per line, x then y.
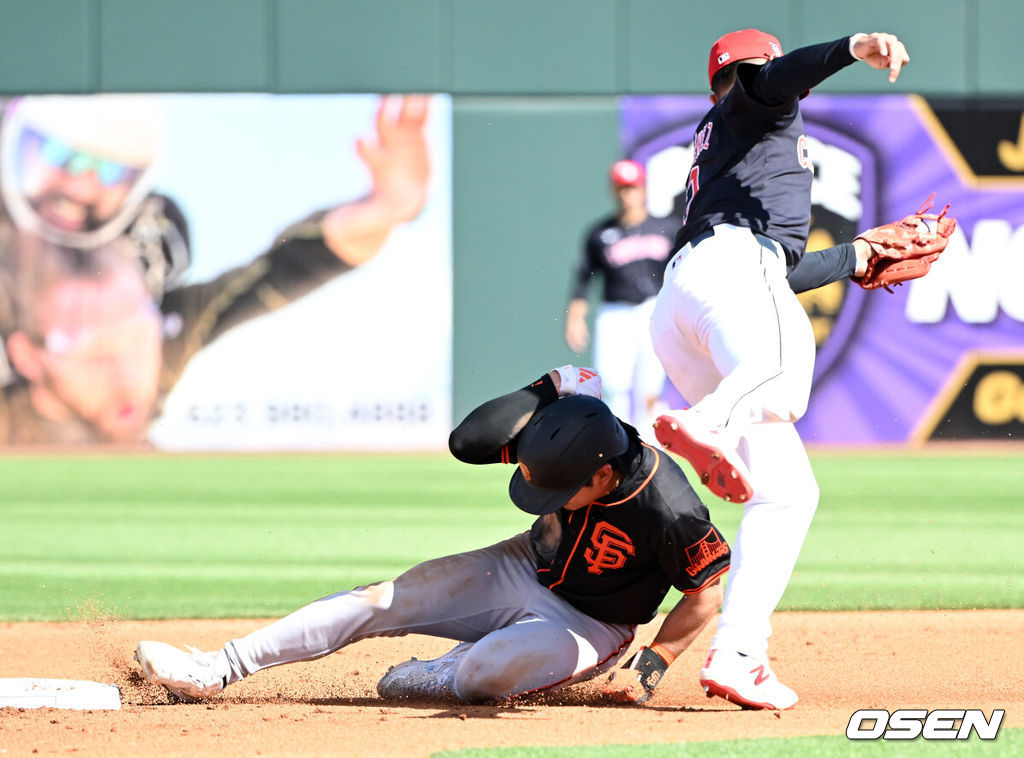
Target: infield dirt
{"type": "Point", "coordinates": [837, 662]}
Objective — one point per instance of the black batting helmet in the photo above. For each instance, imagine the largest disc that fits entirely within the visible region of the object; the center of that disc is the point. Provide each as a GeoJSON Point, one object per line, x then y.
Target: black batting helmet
{"type": "Point", "coordinates": [560, 450]}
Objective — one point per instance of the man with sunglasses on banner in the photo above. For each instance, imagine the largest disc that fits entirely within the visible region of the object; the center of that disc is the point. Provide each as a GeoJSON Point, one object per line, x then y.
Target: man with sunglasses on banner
{"type": "Point", "coordinates": [84, 312]}
{"type": "Point", "coordinates": [77, 171]}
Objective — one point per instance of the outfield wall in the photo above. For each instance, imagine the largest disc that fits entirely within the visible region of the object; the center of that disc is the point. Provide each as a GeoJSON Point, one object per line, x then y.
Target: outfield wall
{"type": "Point", "coordinates": [535, 91]}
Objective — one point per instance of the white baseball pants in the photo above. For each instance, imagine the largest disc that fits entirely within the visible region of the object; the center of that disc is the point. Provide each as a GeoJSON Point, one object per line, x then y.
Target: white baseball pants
{"type": "Point", "coordinates": [737, 344]}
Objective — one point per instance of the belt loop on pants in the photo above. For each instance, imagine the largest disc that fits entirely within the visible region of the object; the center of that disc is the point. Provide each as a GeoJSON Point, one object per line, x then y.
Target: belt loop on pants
{"type": "Point", "coordinates": [691, 245]}
{"type": "Point", "coordinates": [702, 236]}
{"type": "Point", "coordinates": [771, 244]}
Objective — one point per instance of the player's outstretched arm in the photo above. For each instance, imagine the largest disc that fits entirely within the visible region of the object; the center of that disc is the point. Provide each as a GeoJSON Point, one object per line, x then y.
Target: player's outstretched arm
{"type": "Point", "coordinates": [904, 249]}
{"type": "Point", "coordinates": [486, 433]}
{"type": "Point", "coordinates": [820, 267]}
{"type": "Point", "coordinates": [636, 680]}
{"type": "Point", "coordinates": [880, 50]}
{"type": "Point", "coordinates": [398, 161]}
{"type": "Point", "coordinates": [880, 257]}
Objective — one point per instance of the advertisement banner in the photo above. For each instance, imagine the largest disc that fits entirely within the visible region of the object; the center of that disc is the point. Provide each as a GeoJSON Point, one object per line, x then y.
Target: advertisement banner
{"type": "Point", "coordinates": [941, 357]}
{"type": "Point", "coordinates": [227, 272]}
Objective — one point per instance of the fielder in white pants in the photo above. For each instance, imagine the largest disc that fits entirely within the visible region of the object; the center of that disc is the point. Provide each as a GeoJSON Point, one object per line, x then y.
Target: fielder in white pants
{"type": "Point", "coordinates": [732, 335]}
{"type": "Point", "coordinates": [736, 342]}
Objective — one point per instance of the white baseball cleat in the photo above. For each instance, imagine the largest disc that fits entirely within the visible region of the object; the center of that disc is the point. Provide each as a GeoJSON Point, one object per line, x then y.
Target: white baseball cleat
{"type": "Point", "coordinates": [745, 680]}
{"type": "Point", "coordinates": [188, 676]}
{"type": "Point", "coordinates": [714, 459]}
{"type": "Point", "coordinates": [430, 679]}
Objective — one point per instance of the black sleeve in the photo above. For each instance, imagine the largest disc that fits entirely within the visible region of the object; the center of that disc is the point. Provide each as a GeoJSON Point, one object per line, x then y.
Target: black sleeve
{"type": "Point", "coordinates": [487, 435]}
{"type": "Point", "coordinates": [293, 267]}
{"type": "Point", "coordinates": [795, 73]}
{"type": "Point", "coordinates": [694, 553]}
{"type": "Point", "coordinates": [821, 267]}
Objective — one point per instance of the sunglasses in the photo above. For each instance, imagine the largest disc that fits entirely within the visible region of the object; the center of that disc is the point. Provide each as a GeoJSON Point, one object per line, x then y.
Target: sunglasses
{"type": "Point", "coordinates": [83, 341]}
{"type": "Point", "coordinates": [74, 162]}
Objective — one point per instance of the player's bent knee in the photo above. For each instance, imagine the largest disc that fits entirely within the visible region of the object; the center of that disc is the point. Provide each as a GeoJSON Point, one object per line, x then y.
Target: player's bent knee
{"type": "Point", "coordinates": [477, 682]}
{"type": "Point", "coordinates": [785, 405]}
{"type": "Point", "coordinates": [804, 500]}
{"type": "Point", "coordinates": [809, 497]}
{"type": "Point", "coordinates": [796, 495]}
{"type": "Point", "coordinates": [484, 675]}
{"type": "Point", "coordinates": [377, 595]}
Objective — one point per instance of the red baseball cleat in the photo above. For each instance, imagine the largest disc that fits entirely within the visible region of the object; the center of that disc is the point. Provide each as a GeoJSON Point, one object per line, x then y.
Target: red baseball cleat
{"type": "Point", "coordinates": [717, 464]}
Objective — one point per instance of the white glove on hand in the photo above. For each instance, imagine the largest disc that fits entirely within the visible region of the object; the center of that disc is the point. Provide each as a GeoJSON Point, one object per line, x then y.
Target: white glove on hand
{"type": "Point", "coordinates": [578, 381]}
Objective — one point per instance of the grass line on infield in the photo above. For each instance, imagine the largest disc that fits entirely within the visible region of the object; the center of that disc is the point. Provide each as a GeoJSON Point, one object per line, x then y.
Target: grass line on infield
{"type": "Point", "coordinates": [165, 536]}
{"type": "Point", "coordinates": [1008, 742]}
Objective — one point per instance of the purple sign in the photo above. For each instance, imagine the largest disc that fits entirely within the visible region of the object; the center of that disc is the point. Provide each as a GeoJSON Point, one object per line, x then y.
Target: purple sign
{"type": "Point", "coordinates": [890, 366]}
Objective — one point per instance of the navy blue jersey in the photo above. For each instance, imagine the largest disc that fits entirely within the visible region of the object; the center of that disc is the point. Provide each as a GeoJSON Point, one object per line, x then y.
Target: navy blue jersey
{"type": "Point", "coordinates": [750, 165]}
{"type": "Point", "coordinates": [631, 259]}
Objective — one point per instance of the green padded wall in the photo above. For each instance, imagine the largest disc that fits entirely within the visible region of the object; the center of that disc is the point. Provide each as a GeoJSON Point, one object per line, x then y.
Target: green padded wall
{"type": "Point", "coordinates": [49, 46]}
{"type": "Point", "coordinates": [557, 47]}
{"type": "Point", "coordinates": [995, 41]}
{"type": "Point", "coordinates": [530, 173]}
{"type": "Point", "coordinates": [534, 108]}
{"type": "Point", "coordinates": [185, 44]}
{"type": "Point", "coordinates": [361, 46]}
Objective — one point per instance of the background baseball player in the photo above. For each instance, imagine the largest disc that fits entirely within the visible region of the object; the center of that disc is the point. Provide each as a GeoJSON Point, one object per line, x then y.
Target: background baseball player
{"type": "Point", "coordinates": [628, 250]}
{"type": "Point", "coordinates": [617, 526]}
{"type": "Point", "coordinates": [734, 339]}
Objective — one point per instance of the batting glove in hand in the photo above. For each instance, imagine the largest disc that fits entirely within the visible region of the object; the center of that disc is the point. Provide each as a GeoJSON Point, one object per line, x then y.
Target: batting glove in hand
{"type": "Point", "coordinates": [578, 381]}
{"type": "Point", "coordinates": [636, 680]}
{"type": "Point", "coordinates": [906, 249]}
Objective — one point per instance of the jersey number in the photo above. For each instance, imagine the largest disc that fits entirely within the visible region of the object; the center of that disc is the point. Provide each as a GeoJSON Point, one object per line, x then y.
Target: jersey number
{"type": "Point", "coordinates": [692, 186]}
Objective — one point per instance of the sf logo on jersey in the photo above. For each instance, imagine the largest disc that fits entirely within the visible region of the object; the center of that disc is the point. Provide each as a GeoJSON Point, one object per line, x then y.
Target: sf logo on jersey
{"type": "Point", "coordinates": [610, 546]}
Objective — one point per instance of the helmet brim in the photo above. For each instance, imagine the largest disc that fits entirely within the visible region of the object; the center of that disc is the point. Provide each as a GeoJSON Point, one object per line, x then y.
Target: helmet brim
{"type": "Point", "coordinates": [536, 500]}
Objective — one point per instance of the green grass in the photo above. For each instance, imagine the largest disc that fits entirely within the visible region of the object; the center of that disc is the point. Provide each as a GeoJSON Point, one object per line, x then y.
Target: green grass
{"type": "Point", "coordinates": [189, 537]}
{"type": "Point", "coordinates": [913, 531]}
{"type": "Point", "coordinates": [193, 537]}
{"type": "Point", "coordinates": [1008, 742]}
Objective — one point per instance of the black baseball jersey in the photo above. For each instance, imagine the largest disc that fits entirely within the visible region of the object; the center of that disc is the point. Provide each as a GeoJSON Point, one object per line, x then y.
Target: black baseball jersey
{"type": "Point", "coordinates": [617, 558]}
{"type": "Point", "coordinates": [631, 259]}
{"type": "Point", "coordinates": [750, 165]}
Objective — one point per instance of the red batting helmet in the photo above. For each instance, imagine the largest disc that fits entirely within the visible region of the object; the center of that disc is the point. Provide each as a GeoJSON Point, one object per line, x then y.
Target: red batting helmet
{"type": "Point", "coordinates": [628, 174]}
{"type": "Point", "coordinates": [738, 46]}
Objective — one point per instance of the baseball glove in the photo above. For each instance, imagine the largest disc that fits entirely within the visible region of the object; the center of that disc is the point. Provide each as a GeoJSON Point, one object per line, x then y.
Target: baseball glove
{"type": "Point", "coordinates": [905, 249]}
